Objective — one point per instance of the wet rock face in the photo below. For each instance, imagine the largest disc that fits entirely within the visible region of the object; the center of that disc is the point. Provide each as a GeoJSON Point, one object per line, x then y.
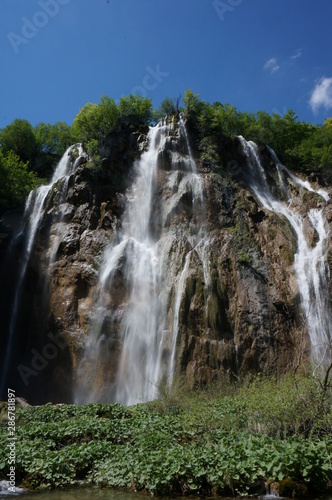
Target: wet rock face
{"type": "Point", "coordinates": [239, 311]}
{"type": "Point", "coordinates": [249, 324]}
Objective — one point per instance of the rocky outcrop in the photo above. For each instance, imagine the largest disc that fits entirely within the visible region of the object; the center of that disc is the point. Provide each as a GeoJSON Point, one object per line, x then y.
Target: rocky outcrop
{"type": "Point", "coordinates": [240, 309]}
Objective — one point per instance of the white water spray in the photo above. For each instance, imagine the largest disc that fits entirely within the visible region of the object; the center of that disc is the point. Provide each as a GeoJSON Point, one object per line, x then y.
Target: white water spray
{"type": "Point", "coordinates": [33, 214]}
{"type": "Point", "coordinates": [200, 245]}
{"type": "Point", "coordinates": [136, 255]}
{"type": "Point", "coordinates": [310, 261]}
{"type": "Point", "coordinates": [141, 259]}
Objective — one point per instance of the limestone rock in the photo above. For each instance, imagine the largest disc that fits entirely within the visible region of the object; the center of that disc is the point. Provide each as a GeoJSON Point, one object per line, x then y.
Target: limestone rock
{"type": "Point", "coordinates": [246, 319]}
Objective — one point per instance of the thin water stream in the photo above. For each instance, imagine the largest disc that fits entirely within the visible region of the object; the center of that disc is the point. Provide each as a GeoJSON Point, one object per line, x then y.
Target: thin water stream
{"type": "Point", "coordinates": [33, 214]}
{"type": "Point", "coordinates": [310, 260]}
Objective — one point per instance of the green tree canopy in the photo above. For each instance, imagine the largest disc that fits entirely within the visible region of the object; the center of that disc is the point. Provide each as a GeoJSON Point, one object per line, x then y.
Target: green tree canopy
{"type": "Point", "coordinates": [136, 107]}
{"type": "Point", "coordinates": [19, 137]}
{"type": "Point", "coordinates": [54, 139]}
{"type": "Point", "coordinates": [193, 105]}
{"type": "Point", "coordinates": [95, 120]}
{"type": "Point", "coordinates": [302, 146]}
{"type": "Point", "coordinates": [168, 107]}
{"type": "Point", "coordinates": [16, 180]}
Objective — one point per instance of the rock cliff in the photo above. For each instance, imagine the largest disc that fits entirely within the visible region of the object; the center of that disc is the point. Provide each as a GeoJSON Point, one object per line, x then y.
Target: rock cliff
{"type": "Point", "coordinates": [226, 290]}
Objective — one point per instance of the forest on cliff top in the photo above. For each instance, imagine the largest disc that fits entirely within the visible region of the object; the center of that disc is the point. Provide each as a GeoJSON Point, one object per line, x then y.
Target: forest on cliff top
{"type": "Point", "coordinates": [28, 154]}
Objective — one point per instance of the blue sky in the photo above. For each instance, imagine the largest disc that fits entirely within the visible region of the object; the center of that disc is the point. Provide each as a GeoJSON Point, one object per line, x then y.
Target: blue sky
{"type": "Point", "coordinates": [57, 55]}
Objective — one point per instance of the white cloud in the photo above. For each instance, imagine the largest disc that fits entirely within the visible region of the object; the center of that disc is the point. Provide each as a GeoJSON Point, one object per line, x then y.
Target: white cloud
{"type": "Point", "coordinates": [321, 95]}
{"type": "Point", "coordinates": [271, 65]}
{"type": "Point", "coordinates": [297, 54]}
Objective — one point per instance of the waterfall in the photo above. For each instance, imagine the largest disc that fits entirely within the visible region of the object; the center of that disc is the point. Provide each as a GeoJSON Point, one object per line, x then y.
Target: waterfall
{"type": "Point", "coordinates": [134, 255]}
{"type": "Point", "coordinates": [134, 266]}
{"type": "Point", "coordinates": [33, 214]}
{"type": "Point", "coordinates": [199, 245]}
{"type": "Point", "coordinates": [310, 261]}
{"type": "Point", "coordinates": [178, 298]}
{"type": "Point", "coordinates": [141, 331]}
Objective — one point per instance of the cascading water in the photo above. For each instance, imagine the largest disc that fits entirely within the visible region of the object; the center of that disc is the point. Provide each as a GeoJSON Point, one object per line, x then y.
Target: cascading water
{"type": "Point", "coordinates": [199, 245]}
{"type": "Point", "coordinates": [139, 366]}
{"type": "Point", "coordinates": [33, 214]}
{"type": "Point", "coordinates": [310, 261]}
{"type": "Point", "coordinates": [167, 291]}
{"type": "Point", "coordinates": [135, 255]}
{"type": "Point", "coordinates": [141, 258]}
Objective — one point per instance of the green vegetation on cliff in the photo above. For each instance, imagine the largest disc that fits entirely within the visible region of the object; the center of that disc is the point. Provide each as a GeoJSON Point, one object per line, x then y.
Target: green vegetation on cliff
{"type": "Point", "coordinates": [302, 146]}
{"type": "Point", "coordinates": [16, 180]}
{"type": "Point", "coordinates": [225, 440]}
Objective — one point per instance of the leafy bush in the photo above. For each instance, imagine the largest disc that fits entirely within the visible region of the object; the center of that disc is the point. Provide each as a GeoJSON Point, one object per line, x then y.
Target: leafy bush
{"type": "Point", "coordinates": [54, 139]}
{"type": "Point", "coordinates": [95, 120]}
{"type": "Point", "coordinates": [208, 442]}
{"type": "Point", "coordinates": [16, 180]}
{"type": "Point", "coordinates": [301, 145]}
{"type": "Point", "coordinates": [137, 108]}
{"type": "Point", "coordinates": [19, 138]}
{"type": "Point", "coordinates": [168, 107]}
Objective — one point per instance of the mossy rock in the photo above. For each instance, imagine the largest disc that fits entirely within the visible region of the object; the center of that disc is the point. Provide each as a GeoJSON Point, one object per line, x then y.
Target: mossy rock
{"type": "Point", "coordinates": [290, 488]}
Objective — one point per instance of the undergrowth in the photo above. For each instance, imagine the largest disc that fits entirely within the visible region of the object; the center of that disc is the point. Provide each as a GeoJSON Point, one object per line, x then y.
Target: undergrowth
{"type": "Point", "coordinates": [225, 439]}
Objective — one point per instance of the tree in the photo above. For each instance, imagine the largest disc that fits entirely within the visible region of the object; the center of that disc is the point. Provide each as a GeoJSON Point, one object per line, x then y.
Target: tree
{"type": "Point", "coordinates": [168, 107]}
{"type": "Point", "coordinates": [136, 107]}
{"type": "Point", "coordinates": [19, 137]}
{"type": "Point", "coordinates": [328, 122]}
{"type": "Point", "coordinates": [16, 180]}
{"type": "Point", "coordinates": [54, 139]}
{"type": "Point", "coordinates": [96, 120]}
{"type": "Point", "coordinates": [192, 103]}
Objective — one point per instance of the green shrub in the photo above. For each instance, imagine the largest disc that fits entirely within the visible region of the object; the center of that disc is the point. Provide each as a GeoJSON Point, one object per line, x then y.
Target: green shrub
{"type": "Point", "coordinates": [224, 439]}
{"type": "Point", "coordinates": [16, 180]}
{"type": "Point", "coordinates": [18, 137]}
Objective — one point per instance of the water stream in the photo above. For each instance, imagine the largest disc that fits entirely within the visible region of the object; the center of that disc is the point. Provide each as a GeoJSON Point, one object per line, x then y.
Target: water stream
{"type": "Point", "coordinates": [310, 260]}
{"type": "Point", "coordinates": [145, 268]}
{"type": "Point", "coordinates": [141, 257]}
{"type": "Point", "coordinates": [33, 214]}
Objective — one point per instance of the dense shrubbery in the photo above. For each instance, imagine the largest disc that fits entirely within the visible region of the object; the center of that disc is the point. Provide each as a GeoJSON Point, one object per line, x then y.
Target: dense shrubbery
{"type": "Point", "coordinates": [96, 120]}
{"type": "Point", "coordinates": [228, 440]}
{"type": "Point", "coordinates": [54, 139]}
{"type": "Point", "coordinates": [301, 146]}
{"type": "Point", "coordinates": [169, 107]}
{"type": "Point", "coordinates": [25, 150]}
{"type": "Point", "coordinates": [16, 180]}
{"type": "Point", "coordinates": [19, 138]}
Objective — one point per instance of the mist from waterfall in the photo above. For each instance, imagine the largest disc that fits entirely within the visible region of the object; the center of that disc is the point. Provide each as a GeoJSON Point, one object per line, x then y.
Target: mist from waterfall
{"type": "Point", "coordinates": [310, 260]}
{"type": "Point", "coordinates": [132, 253]}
